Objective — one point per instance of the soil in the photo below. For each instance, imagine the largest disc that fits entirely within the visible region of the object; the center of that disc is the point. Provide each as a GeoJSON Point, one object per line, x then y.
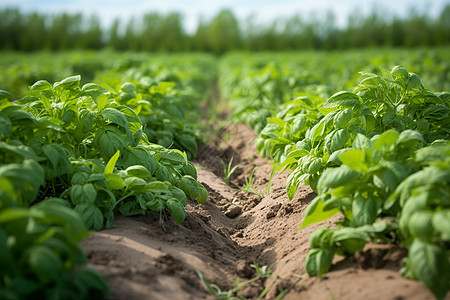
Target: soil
{"type": "Point", "coordinates": [150, 257]}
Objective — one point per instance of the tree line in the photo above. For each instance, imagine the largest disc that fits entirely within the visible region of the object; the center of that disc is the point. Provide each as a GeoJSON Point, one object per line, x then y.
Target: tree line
{"type": "Point", "coordinates": [224, 32]}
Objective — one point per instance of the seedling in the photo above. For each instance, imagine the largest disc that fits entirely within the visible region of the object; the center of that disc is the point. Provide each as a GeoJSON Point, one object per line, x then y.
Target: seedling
{"type": "Point", "coordinates": [239, 284]}
{"type": "Point", "coordinates": [228, 170]}
{"type": "Point", "coordinates": [248, 187]}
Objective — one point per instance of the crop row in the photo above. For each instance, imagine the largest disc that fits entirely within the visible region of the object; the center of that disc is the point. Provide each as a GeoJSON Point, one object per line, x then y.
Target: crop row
{"type": "Point", "coordinates": [378, 154]}
{"type": "Point", "coordinates": [73, 155]}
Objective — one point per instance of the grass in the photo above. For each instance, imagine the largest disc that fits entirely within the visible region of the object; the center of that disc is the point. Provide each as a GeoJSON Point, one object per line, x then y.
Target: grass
{"type": "Point", "coordinates": [228, 170]}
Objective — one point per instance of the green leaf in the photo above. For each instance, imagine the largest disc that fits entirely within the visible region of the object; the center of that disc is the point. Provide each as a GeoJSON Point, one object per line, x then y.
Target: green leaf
{"type": "Point", "coordinates": [5, 126]}
{"type": "Point", "coordinates": [387, 138]}
{"type": "Point", "coordinates": [364, 210]}
{"type": "Point", "coordinates": [91, 216]}
{"type": "Point", "coordinates": [41, 85]}
{"type": "Point", "coordinates": [69, 82]}
{"type": "Point", "coordinates": [83, 194]}
{"type": "Point", "coordinates": [343, 98]}
{"type": "Point", "coordinates": [339, 138]}
{"type": "Point", "coordinates": [94, 90]}
{"type": "Point", "coordinates": [355, 159]}
{"type": "Point", "coordinates": [193, 189]}
{"type": "Point", "coordinates": [420, 224]}
{"type": "Point", "coordinates": [128, 87]}
{"type": "Point", "coordinates": [179, 195]}
{"type": "Point", "coordinates": [130, 208]}
{"type": "Point", "coordinates": [109, 140]}
{"type": "Point", "coordinates": [59, 161]}
{"type": "Point", "coordinates": [318, 261]}
{"type": "Point", "coordinates": [441, 223]}
{"type": "Point", "coordinates": [410, 135]}
{"type": "Point", "coordinates": [45, 263]}
{"type": "Point", "coordinates": [109, 169]}
{"type": "Point", "coordinates": [157, 187]}
{"type": "Point", "coordinates": [276, 121]}
{"type": "Point", "coordinates": [16, 213]}
{"type": "Point", "coordinates": [21, 150]}
{"type": "Point", "coordinates": [5, 95]}
{"type": "Point", "coordinates": [177, 210]}
{"type": "Point", "coordinates": [114, 181]}
{"type": "Point", "coordinates": [138, 171]}
{"type": "Point", "coordinates": [429, 264]}
{"type": "Point", "coordinates": [335, 177]}
{"type": "Point", "coordinates": [315, 212]}
{"type": "Point", "coordinates": [156, 204]}
{"type": "Point", "coordinates": [132, 156]}
{"type": "Point", "coordinates": [342, 118]}
{"type": "Point", "coordinates": [188, 143]}
{"type": "Point", "coordinates": [361, 142]}
{"type": "Point", "coordinates": [93, 281]}
{"type": "Point", "coordinates": [173, 157]}
{"type": "Point", "coordinates": [115, 117]}
{"type": "Point", "coordinates": [399, 71]}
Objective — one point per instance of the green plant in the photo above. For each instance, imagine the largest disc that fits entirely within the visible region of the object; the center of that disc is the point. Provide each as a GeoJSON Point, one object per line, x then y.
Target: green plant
{"type": "Point", "coordinates": [228, 170]}
{"type": "Point", "coordinates": [39, 251]}
{"type": "Point", "coordinates": [388, 191]}
{"type": "Point", "coordinates": [248, 186]}
{"type": "Point", "coordinates": [261, 273]}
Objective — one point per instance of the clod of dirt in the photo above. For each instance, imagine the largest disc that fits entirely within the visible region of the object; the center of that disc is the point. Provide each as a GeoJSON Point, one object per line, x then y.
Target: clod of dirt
{"type": "Point", "coordinates": [233, 211]}
{"type": "Point", "coordinates": [251, 291]}
{"type": "Point", "coordinates": [243, 270]}
{"type": "Point", "coordinates": [273, 211]}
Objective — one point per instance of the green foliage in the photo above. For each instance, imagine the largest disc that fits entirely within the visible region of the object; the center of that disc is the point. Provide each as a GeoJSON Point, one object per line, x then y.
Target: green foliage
{"type": "Point", "coordinates": [73, 155]}
{"type": "Point", "coordinates": [228, 170]}
{"type": "Point", "coordinates": [262, 273]}
{"type": "Point", "coordinates": [40, 256]}
{"type": "Point", "coordinates": [93, 152]}
{"type": "Point", "coordinates": [377, 153]}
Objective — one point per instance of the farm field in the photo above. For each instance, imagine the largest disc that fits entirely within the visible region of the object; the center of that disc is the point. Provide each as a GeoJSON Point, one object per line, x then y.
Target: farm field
{"type": "Point", "coordinates": [188, 176]}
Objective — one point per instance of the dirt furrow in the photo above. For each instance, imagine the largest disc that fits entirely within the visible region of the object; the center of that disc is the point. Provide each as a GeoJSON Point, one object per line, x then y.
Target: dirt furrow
{"type": "Point", "coordinates": [150, 257]}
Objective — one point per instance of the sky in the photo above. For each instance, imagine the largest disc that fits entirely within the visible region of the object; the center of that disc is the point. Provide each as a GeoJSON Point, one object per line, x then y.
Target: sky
{"type": "Point", "coordinates": [192, 10]}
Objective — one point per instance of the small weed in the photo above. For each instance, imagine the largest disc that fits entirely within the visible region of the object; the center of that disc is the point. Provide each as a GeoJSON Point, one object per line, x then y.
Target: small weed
{"type": "Point", "coordinates": [248, 186]}
{"type": "Point", "coordinates": [228, 170]}
{"type": "Point", "coordinates": [261, 272]}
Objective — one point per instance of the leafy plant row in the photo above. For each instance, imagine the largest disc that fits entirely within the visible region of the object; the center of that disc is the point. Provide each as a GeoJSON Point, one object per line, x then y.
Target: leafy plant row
{"type": "Point", "coordinates": [166, 90]}
{"type": "Point", "coordinates": [72, 156]}
{"type": "Point", "coordinates": [380, 156]}
{"type": "Point", "coordinates": [362, 152]}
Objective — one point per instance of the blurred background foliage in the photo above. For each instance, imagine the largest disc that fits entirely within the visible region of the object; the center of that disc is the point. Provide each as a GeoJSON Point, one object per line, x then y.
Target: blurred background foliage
{"type": "Point", "coordinates": [164, 32]}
